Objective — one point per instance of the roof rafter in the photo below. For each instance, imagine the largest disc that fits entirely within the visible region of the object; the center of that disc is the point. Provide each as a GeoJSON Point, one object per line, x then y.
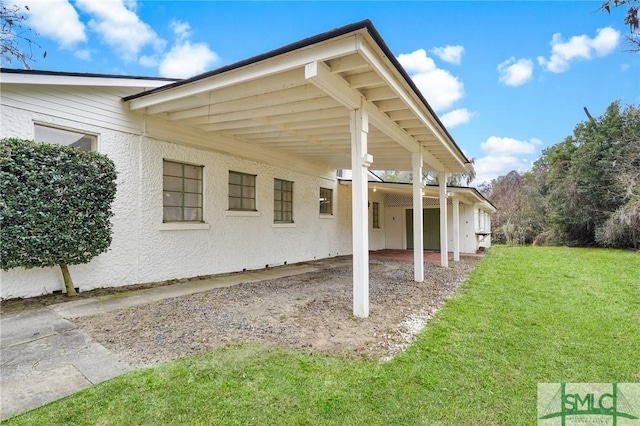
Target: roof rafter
{"type": "Point", "coordinates": [320, 75]}
{"type": "Point", "coordinates": [374, 62]}
{"type": "Point", "coordinates": [300, 93]}
{"type": "Point", "coordinates": [332, 49]}
{"type": "Point", "coordinates": [265, 111]}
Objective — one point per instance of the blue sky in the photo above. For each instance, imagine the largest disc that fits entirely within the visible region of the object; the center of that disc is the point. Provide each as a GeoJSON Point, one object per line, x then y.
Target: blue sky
{"type": "Point", "coordinates": [507, 78]}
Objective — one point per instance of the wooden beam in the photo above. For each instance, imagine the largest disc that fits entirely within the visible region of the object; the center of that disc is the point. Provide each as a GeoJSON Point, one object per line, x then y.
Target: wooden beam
{"type": "Point", "coordinates": [378, 94]}
{"type": "Point", "coordinates": [418, 234]}
{"type": "Point", "coordinates": [359, 212]}
{"type": "Point", "coordinates": [307, 106]}
{"type": "Point", "coordinates": [367, 79]}
{"type": "Point", "coordinates": [189, 136]}
{"type": "Point", "coordinates": [326, 113]}
{"type": "Point", "coordinates": [271, 99]}
{"type": "Point", "coordinates": [444, 241]}
{"type": "Point", "coordinates": [319, 74]}
{"type": "Point", "coordinates": [456, 229]}
{"type": "Point", "coordinates": [179, 104]}
{"type": "Point", "coordinates": [337, 88]}
{"type": "Point", "coordinates": [327, 122]}
{"type": "Point", "coordinates": [404, 114]}
{"type": "Point", "coordinates": [239, 76]}
{"type": "Point", "coordinates": [390, 105]}
{"type": "Point", "coordinates": [407, 97]}
{"type": "Point", "coordinates": [347, 63]}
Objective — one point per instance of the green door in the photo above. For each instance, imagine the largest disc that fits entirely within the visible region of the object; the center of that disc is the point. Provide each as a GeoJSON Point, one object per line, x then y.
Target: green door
{"type": "Point", "coordinates": [430, 229]}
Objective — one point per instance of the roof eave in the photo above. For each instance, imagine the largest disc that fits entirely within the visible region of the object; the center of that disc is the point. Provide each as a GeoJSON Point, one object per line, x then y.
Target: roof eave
{"type": "Point", "coordinates": [40, 77]}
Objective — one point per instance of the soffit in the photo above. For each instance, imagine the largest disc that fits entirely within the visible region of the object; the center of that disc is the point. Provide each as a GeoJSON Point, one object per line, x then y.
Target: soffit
{"type": "Point", "coordinates": [273, 104]}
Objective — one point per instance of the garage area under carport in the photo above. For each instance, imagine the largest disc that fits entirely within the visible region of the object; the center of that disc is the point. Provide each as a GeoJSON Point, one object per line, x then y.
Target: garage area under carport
{"type": "Point", "coordinates": [338, 99]}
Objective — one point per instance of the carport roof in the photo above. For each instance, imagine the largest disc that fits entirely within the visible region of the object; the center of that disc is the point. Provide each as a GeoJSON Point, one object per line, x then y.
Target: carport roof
{"type": "Point", "coordinates": [466, 194]}
{"type": "Point", "coordinates": [296, 100]}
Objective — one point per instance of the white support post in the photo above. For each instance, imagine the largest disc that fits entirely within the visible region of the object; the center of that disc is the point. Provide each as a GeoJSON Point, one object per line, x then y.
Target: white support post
{"type": "Point", "coordinates": [360, 161]}
{"type": "Point", "coordinates": [418, 234]}
{"type": "Point", "coordinates": [444, 250]}
{"type": "Point", "coordinates": [456, 229]}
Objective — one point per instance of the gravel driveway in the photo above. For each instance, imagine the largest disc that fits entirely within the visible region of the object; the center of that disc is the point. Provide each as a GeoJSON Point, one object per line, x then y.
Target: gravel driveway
{"type": "Point", "coordinates": [312, 311]}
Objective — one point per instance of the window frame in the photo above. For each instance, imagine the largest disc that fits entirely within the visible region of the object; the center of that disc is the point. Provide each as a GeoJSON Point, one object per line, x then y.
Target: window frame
{"type": "Point", "coordinates": [375, 215]}
{"type": "Point", "coordinates": [182, 206]}
{"type": "Point", "coordinates": [326, 199]}
{"type": "Point", "coordinates": [91, 136]}
{"type": "Point", "coordinates": [282, 201]}
{"type": "Point", "coordinates": [242, 198]}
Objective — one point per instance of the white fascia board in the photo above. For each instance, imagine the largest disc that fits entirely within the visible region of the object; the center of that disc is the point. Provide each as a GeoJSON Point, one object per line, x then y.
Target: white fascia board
{"type": "Point", "coordinates": [275, 65]}
{"type": "Point", "coordinates": [372, 59]}
{"type": "Point", "coordinates": [72, 80]}
{"type": "Point", "coordinates": [476, 198]}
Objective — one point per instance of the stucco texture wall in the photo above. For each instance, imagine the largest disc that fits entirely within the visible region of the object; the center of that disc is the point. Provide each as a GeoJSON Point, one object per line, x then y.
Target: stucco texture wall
{"type": "Point", "coordinates": [396, 227]}
{"type": "Point", "coordinates": [146, 250]}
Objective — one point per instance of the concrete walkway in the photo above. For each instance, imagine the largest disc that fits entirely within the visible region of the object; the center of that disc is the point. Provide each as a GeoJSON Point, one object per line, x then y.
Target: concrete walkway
{"type": "Point", "coordinates": [44, 356]}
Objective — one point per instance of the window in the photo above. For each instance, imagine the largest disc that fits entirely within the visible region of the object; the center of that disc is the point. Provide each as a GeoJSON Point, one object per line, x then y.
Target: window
{"type": "Point", "coordinates": [64, 137]}
{"type": "Point", "coordinates": [326, 201]}
{"type": "Point", "coordinates": [182, 192]}
{"type": "Point", "coordinates": [376, 215]}
{"type": "Point", "coordinates": [282, 201]}
{"type": "Point", "coordinates": [242, 191]}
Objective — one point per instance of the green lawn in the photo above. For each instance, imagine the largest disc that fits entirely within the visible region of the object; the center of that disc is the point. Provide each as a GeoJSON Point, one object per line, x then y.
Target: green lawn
{"type": "Point", "coordinates": [525, 315]}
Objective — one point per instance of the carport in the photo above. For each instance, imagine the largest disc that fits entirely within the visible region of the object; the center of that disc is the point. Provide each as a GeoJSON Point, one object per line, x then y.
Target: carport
{"type": "Point", "coordinates": [338, 99]}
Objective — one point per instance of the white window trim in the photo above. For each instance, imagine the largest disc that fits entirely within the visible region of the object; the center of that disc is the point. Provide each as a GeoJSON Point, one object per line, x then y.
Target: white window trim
{"type": "Point", "coordinates": [182, 226]}
{"type": "Point", "coordinates": [255, 195]}
{"type": "Point", "coordinates": [326, 216]}
{"type": "Point", "coordinates": [204, 185]}
{"type": "Point", "coordinates": [291, 222]}
{"type": "Point", "coordinates": [331, 204]}
{"type": "Point", "coordinates": [96, 136]}
{"type": "Point", "coordinates": [245, 213]}
{"type": "Point", "coordinates": [283, 225]}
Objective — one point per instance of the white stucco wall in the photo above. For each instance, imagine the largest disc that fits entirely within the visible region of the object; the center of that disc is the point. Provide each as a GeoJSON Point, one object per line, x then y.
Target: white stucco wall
{"type": "Point", "coordinates": [396, 227]}
{"type": "Point", "coordinates": [377, 236]}
{"type": "Point", "coordinates": [146, 250]}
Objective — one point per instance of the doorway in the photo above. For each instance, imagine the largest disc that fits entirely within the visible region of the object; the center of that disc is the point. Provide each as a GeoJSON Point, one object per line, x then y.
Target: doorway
{"type": "Point", "coordinates": [430, 228]}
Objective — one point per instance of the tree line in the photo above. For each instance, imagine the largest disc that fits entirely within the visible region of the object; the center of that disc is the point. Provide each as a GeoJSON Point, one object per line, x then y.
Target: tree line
{"type": "Point", "coordinates": [583, 191]}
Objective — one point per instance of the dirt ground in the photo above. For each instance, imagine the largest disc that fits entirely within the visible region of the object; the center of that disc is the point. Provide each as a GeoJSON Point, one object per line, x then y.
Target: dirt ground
{"type": "Point", "coordinates": [311, 311]}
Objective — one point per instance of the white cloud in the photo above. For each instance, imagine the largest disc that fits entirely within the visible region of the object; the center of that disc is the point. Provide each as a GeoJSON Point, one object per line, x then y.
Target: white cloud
{"type": "Point", "coordinates": [57, 20]}
{"type": "Point", "coordinates": [182, 30]}
{"type": "Point", "coordinates": [149, 60]}
{"type": "Point", "coordinates": [606, 41]}
{"type": "Point", "coordinates": [451, 54]}
{"type": "Point", "coordinates": [515, 72]}
{"type": "Point", "coordinates": [579, 47]}
{"type": "Point", "coordinates": [456, 117]}
{"type": "Point", "coordinates": [186, 60]}
{"type": "Point", "coordinates": [120, 27]}
{"type": "Point", "coordinates": [498, 145]}
{"type": "Point", "coordinates": [492, 166]}
{"type": "Point", "coordinates": [84, 54]}
{"type": "Point", "coordinates": [440, 88]}
{"type": "Point", "coordinates": [504, 155]}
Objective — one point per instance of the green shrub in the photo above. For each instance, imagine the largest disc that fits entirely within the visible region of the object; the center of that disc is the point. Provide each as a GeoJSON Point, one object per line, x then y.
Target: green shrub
{"type": "Point", "coordinates": [55, 205]}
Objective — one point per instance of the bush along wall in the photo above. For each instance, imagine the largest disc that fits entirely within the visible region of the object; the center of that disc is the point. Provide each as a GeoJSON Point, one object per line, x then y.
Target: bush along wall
{"type": "Point", "coordinates": [55, 205]}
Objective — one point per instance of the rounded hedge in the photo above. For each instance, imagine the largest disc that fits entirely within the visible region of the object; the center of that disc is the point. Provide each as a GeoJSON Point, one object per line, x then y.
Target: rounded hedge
{"type": "Point", "coordinates": [55, 204]}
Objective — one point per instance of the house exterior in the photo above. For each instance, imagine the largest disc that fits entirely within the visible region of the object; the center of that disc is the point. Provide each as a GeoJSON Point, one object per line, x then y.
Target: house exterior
{"type": "Point", "coordinates": [235, 169]}
{"type": "Point", "coordinates": [391, 218]}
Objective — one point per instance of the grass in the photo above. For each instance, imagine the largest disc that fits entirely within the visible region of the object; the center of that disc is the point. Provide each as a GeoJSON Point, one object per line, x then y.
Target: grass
{"type": "Point", "coordinates": [525, 315]}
